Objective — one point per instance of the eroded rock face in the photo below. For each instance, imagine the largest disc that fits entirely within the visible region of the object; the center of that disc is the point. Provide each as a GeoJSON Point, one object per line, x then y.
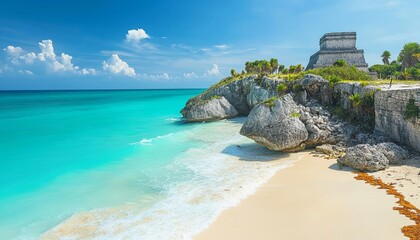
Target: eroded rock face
{"type": "Point", "coordinates": [377, 157]}
{"type": "Point", "coordinates": [209, 110]}
{"type": "Point", "coordinates": [234, 94]}
{"type": "Point", "coordinates": [243, 94]}
{"type": "Point", "coordinates": [276, 127]}
{"type": "Point", "coordinates": [313, 83]}
{"type": "Point", "coordinates": [257, 95]}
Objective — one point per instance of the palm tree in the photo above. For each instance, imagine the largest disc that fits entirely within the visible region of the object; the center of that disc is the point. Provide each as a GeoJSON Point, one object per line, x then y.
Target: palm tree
{"type": "Point", "coordinates": [274, 64]}
{"type": "Point", "coordinates": [386, 55]}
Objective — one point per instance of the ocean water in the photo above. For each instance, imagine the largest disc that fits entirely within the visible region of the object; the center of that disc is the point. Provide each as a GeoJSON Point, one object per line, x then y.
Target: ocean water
{"type": "Point", "coordinates": [119, 165]}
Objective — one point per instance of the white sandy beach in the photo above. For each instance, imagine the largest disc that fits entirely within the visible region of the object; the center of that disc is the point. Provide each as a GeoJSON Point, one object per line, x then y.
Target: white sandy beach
{"type": "Point", "coordinates": [312, 200]}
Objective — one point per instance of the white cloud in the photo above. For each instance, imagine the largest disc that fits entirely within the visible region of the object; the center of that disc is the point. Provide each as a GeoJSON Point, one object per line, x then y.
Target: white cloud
{"type": "Point", "coordinates": [135, 35]}
{"type": "Point", "coordinates": [214, 71]}
{"type": "Point", "coordinates": [13, 51]}
{"type": "Point", "coordinates": [164, 76]}
{"type": "Point", "coordinates": [47, 56]}
{"type": "Point", "coordinates": [191, 75]}
{"type": "Point", "coordinates": [47, 50]}
{"type": "Point", "coordinates": [25, 72]}
{"type": "Point", "coordinates": [64, 65]}
{"type": "Point", "coordinates": [29, 57]}
{"type": "Point", "coordinates": [222, 46]}
{"type": "Point", "coordinates": [117, 66]}
{"type": "Point", "coordinates": [88, 71]}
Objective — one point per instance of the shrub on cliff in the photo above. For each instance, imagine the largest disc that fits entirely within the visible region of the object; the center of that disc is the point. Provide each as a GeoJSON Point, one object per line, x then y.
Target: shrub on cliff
{"type": "Point", "coordinates": [340, 63]}
{"type": "Point", "coordinates": [411, 111]}
{"type": "Point", "coordinates": [345, 73]}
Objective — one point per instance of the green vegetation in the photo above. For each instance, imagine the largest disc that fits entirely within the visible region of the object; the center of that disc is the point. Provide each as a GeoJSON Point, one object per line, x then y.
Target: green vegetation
{"type": "Point", "coordinates": [294, 69]}
{"type": "Point", "coordinates": [364, 83]}
{"type": "Point", "coordinates": [274, 64]}
{"type": "Point", "coordinates": [383, 82]}
{"type": "Point", "coordinates": [334, 73]}
{"type": "Point", "coordinates": [406, 68]}
{"type": "Point", "coordinates": [340, 63]}
{"type": "Point", "coordinates": [294, 115]}
{"type": "Point", "coordinates": [334, 80]}
{"type": "Point", "coordinates": [233, 73]}
{"type": "Point", "coordinates": [386, 55]}
{"type": "Point", "coordinates": [297, 87]}
{"type": "Point", "coordinates": [408, 55]}
{"type": "Point", "coordinates": [215, 97]}
{"type": "Point", "coordinates": [363, 109]}
{"type": "Point", "coordinates": [270, 102]}
{"type": "Point", "coordinates": [263, 67]}
{"type": "Point", "coordinates": [355, 99]}
{"type": "Point", "coordinates": [281, 88]}
{"type": "Point", "coordinates": [411, 111]}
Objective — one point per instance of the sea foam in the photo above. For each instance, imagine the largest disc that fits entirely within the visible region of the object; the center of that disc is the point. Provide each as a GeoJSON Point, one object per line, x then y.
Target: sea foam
{"type": "Point", "coordinates": [198, 185]}
{"type": "Point", "coordinates": [148, 141]}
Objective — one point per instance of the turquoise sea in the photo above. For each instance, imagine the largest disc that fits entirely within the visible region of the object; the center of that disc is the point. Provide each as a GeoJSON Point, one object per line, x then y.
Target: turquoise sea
{"type": "Point", "coordinates": [118, 165]}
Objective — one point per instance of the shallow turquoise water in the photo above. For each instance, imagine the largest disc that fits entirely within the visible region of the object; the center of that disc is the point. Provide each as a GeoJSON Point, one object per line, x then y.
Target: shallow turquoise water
{"type": "Point", "coordinates": [52, 141]}
{"type": "Point", "coordinates": [121, 163]}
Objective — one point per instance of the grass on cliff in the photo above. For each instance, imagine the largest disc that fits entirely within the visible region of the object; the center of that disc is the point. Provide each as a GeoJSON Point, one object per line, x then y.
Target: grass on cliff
{"type": "Point", "coordinates": [229, 79]}
{"type": "Point", "coordinates": [270, 102]}
{"type": "Point", "coordinates": [383, 82]}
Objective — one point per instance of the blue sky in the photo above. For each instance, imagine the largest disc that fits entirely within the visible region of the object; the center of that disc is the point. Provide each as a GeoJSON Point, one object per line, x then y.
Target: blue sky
{"type": "Point", "coordinates": [181, 44]}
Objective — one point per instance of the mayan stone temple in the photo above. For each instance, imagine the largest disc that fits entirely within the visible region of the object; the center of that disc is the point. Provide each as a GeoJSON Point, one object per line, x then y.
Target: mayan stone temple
{"type": "Point", "coordinates": [336, 46]}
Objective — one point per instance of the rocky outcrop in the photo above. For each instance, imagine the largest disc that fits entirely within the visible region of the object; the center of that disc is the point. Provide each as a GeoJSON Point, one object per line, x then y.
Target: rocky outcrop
{"type": "Point", "coordinates": [313, 84]}
{"type": "Point", "coordinates": [377, 157]}
{"type": "Point", "coordinates": [302, 118]}
{"type": "Point", "coordinates": [276, 125]}
{"type": "Point", "coordinates": [259, 94]}
{"type": "Point", "coordinates": [390, 106]}
{"type": "Point", "coordinates": [209, 110]}
{"type": "Point", "coordinates": [242, 94]}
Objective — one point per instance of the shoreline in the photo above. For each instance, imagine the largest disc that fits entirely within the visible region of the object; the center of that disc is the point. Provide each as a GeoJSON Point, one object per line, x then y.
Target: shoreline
{"type": "Point", "coordinates": [313, 199]}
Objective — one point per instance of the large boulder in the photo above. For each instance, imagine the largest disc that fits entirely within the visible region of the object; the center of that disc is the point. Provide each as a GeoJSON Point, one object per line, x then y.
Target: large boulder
{"type": "Point", "coordinates": [257, 95]}
{"type": "Point", "coordinates": [234, 93]}
{"type": "Point", "coordinates": [276, 125]}
{"type": "Point", "coordinates": [215, 108]}
{"type": "Point", "coordinates": [377, 157]}
{"type": "Point", "coordinates": [313, 83]}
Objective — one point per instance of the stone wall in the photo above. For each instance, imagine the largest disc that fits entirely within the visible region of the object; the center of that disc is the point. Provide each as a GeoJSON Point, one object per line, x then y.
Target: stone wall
{"type": "Point", "coordinates": [328, 58]}
{"type": "Point", "coordinates": [390, 106]}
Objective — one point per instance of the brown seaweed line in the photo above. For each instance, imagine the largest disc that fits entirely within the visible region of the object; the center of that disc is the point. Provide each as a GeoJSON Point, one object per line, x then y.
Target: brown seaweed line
{"type": "Point", "coordinates": [405, 208]}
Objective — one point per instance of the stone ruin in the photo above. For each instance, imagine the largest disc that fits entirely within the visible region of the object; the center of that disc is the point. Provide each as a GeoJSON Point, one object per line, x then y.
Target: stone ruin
{"type": "Point", "coordinates": [336, 46]}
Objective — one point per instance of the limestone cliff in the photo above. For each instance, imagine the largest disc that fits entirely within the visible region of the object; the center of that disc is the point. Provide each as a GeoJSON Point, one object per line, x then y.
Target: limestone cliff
{"type": "Point", "coordinates": [312, 111]}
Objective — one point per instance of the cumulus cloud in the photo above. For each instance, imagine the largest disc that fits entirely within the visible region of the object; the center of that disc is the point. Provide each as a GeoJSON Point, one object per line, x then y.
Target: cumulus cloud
{"type": "Point", "coordinates": [47, 50]}
{"type": "Point", "coordinates": [117, 66]}
{"type": "Point", "coordinates": [47, 56]}
{"type": "Point", "coordinates": [13, 51]}
{"type": "Point", "coordinates": [88, 71]}
{"type": "Point", "coordinates": [28, 58]}
{"type": "Point", "coordinates": [214, 71]}
{"type": "Point", "coordinates": [135, 35]}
